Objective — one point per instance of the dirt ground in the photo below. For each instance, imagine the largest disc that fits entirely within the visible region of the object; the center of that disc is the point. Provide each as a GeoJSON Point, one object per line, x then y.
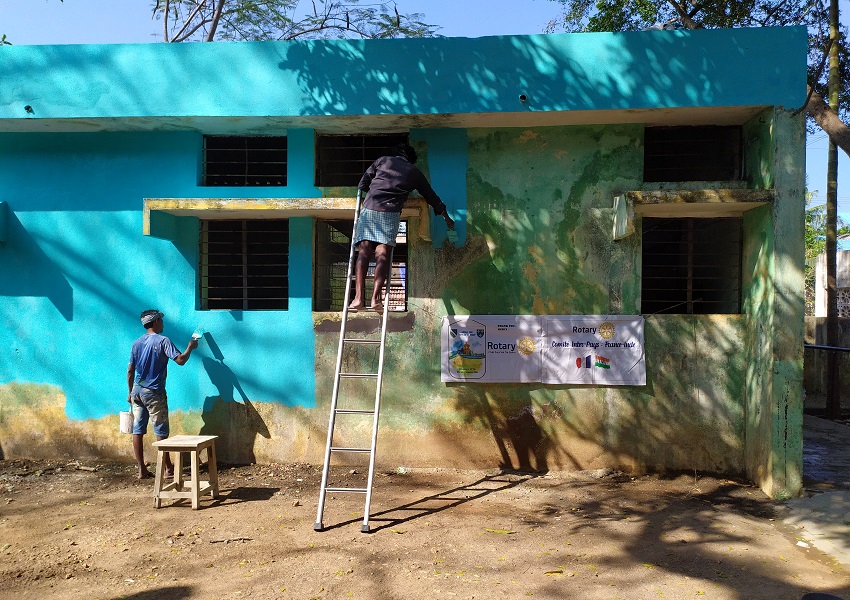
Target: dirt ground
{"type": "Point", "coordinates": [72, 530]}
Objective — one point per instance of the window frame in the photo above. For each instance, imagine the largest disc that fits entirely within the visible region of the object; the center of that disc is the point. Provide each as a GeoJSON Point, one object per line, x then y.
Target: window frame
{"type": "Point", "coordinates": [355, 151]}
{"type": "Point", "coordinates": [263, 161]}
{"type": "Point", "coordinates": [698, 265]}
{"type": "Point", "coordinates": [252, 266]}
{"type": "Point", "coordinates": [693, 153]}
{"type": "Point", "coordinates": [327, 297]}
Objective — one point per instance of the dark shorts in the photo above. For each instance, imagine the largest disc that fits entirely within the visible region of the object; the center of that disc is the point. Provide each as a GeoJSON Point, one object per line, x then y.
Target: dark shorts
{"type": "Point", "coordinates": [150, 405]}
{"type": "Point", "coordinates": [376, 226]}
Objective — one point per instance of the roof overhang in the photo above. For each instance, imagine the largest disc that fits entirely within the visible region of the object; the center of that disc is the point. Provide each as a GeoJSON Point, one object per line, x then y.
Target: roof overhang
{"type": "Point", "coordinates": [726, 115]}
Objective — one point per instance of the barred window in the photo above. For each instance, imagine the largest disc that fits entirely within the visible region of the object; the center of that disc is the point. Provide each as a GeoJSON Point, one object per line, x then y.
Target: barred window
{"type": "Point", "coordinates": [244, 265]}
{"type": "Point", "coordinates": [691, 266]}
{"type": "Point", "coordinates": [342, 159]}
{"type": "Point", "coordinates": [333, 241]}
{"type": "Point", "coordinates": [711, 153]}
{"type": "Point", "coordinates": [231, 160]}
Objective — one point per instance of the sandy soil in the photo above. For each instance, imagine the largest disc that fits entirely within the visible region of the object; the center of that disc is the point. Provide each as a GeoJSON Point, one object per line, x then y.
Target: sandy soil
{"type": "Point", "coordinates": [71, 530]}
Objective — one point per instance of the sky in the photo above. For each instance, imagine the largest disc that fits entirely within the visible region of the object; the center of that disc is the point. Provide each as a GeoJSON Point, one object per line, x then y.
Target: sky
{"type": "Point", "coordinates": [129, 21]}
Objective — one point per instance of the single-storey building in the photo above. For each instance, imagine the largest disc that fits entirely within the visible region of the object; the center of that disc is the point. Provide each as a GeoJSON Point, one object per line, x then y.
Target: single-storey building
{"type": "Point", "coordinates": [658, 174]}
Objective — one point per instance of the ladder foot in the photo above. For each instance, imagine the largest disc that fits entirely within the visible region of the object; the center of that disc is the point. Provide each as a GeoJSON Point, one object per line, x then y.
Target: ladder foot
{"type": "Point", "coordinates": [364, 529]}
{"type": "Point", "coordinates": [318, 526]}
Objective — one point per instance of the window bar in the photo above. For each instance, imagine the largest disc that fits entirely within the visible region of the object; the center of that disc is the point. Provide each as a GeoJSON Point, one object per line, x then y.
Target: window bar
{"type": "Point", "coordinates": [244, 265]}
{"type": "Point", "coordinates": [690, 291]}
{"type": "Point", "coordinates": [205, 269]}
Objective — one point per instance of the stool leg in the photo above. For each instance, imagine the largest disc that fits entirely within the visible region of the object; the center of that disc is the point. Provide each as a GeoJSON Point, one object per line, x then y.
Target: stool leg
{"type": "Point", "coordinates": [178, 472]}
{"type": "Point", "coordinates": [212, 468]}
{"type": "Point", "coordinates": [157, 482]}
{"type": "Point", "coordinates": [196, 482]}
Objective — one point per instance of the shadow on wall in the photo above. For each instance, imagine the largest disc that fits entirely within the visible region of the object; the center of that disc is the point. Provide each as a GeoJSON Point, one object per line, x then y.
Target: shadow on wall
{"type": "Point", "coordinates": [237, 424]}
{"type": "Point", "coordinates": [23, 255]}
{"type": "Point", "coordinates": [652, 70]}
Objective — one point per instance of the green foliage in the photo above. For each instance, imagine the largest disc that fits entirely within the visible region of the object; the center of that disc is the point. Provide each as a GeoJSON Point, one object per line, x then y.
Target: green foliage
{"type": "Point", "coordinates": [206, 20]}
{"type": "Point", "coordinates": [633, 15]}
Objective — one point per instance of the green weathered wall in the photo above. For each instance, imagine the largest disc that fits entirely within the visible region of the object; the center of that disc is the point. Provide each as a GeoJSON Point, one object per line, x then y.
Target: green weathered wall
{"type": "Point", "coordinates": [539, 226]}
{"type": "Point", "coordinates": [759, 150]}
{"type": "Point", "coordinates": [773, 300]}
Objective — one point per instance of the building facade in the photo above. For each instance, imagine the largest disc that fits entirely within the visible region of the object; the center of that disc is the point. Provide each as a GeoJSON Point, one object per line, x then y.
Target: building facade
{"type": "Point", "coordinates": [657, 173]}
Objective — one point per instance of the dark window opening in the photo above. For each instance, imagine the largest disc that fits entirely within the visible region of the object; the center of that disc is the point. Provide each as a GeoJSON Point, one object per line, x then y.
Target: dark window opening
{"type": "Point", "coordinates": [333, 242]}
{"type": "Point", "coordinates": [691, 266]}
{"type": "Point", "coordinates": [244, 265]}
{"type": "Point", "coordinates": [711, 153]}
{"type": "Point", "coordinates": [231, 160]}
{"type": "Point", "coordinates": [342, 159]}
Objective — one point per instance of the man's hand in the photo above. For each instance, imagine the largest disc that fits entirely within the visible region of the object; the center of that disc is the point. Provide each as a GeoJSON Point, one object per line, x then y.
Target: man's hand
{"type": "Point", "coordinates": [193, 344]}
{"type": "Point", "coordinates": [449, 221]}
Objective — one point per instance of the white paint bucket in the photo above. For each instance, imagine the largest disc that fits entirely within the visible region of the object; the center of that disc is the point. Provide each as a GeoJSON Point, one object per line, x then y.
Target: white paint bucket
{"type": "Point", "coordinates": [125, 421]}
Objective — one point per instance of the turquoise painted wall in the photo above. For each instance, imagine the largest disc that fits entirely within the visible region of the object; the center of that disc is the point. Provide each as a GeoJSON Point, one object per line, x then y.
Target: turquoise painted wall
{"type": "Point", "coordinates": [78, 271]}
{"type": "Point", "coordinates": [571, 72]}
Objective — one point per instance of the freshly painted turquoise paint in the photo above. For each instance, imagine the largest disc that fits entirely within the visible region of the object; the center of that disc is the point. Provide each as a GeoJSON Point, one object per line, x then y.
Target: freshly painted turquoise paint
{"type": "Point", "coordinates": [78, 271]}
{"type": "Point", "coordinates": [448, 161]}
{"type": "Point", "coordinates": [568, 72]}
{"type": "Point", "coordinates": [301, 164]}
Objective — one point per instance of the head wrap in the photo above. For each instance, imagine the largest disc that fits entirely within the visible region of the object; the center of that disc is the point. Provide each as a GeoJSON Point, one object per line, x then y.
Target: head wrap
{"type": "Point", "coordinates": [149, 318]}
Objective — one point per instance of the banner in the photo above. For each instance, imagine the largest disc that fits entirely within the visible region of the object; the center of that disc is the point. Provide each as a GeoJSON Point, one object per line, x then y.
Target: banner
{"type": "Point", "coordinates": [583, 349]}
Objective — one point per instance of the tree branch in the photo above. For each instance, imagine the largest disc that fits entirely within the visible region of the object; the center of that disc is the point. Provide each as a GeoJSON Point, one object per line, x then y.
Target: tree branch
{"type": "Point", "coordinates": [826, 118]}
{"type": "Point", "coordinates": [164, 19]}
{"type": "Point", "coordinates": [816, 77]}
{"type": "Point", "coordinates": [771, 12]}
{"type": "Point", "coordinates": [188, 19]}
{"type": "Point", "coordinates": [687, 21]}
{"type": "Point", "coordinates": [219, 9]}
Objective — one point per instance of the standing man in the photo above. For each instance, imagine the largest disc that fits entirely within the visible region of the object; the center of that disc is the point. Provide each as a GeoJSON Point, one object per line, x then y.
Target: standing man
{"type": "Point", "coordinates": [387, 184]}
{"type": "Point", "coordinates": [146, 375]}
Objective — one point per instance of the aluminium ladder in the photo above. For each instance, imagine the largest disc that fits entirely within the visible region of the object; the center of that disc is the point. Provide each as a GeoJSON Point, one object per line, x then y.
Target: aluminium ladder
{"type": "Point", "coordinates": [339, 375]}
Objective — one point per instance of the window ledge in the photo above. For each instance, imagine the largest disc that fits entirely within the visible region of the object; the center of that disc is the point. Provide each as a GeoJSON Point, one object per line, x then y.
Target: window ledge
{"type": "Point", "coordinates": [707, 203]}
{"type": "Point", "coordinates": [155, 221]}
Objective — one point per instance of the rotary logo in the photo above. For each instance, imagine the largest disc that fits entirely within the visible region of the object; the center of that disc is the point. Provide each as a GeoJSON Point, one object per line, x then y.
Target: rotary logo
{"type": "Point", "coordinates": [526, 346]}
{"type": "Point", "coordinates": [606, 330]}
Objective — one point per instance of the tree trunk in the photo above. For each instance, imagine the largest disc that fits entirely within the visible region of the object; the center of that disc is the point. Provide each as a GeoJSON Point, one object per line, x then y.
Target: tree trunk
{"type": "Point", "coordinates": [833, 397]}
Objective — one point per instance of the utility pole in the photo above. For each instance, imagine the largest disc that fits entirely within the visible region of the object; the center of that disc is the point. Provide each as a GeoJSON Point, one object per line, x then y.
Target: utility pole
{"type": "Point", "coordinates": [833, 397]}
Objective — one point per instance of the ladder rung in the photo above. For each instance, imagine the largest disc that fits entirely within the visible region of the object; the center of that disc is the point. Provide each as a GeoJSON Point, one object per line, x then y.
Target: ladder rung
{"type": "Point", "coordinates": [354, 411]}
{"type": "Point", "coordinates": [357, 490]}
{"type": "Point", "coordinates": [359, 375]}
{"type": "Point", "coordinates": [339, 449]}
{"type": "Point", "coordinates": [360, 341]}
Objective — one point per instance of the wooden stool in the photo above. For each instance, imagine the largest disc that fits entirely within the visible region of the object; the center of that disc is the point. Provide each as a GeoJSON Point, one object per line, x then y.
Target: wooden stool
{"type": "Point", "coordinates": [193, 488]}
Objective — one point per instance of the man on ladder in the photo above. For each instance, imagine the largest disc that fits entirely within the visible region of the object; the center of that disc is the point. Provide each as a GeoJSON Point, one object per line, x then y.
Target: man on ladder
{"type": "Point", "coordinates": [387, 183]}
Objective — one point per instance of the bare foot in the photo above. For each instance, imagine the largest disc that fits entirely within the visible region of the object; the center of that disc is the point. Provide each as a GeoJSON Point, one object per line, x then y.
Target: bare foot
{"type": "Point", "coordinates": [145, 474]}
{"type": "Point", "coordinates": [379, 307]}
{"type": "Point", "coordinates": [355, 306]}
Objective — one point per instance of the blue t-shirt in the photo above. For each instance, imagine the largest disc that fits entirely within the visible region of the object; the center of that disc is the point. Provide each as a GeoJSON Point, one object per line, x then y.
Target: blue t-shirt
{"type": "Point", "coordinates": [149, 357]}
